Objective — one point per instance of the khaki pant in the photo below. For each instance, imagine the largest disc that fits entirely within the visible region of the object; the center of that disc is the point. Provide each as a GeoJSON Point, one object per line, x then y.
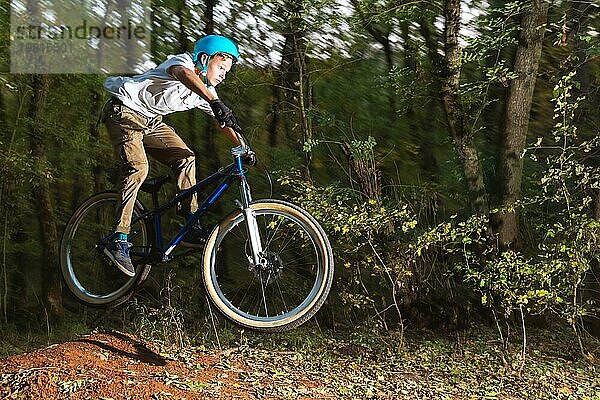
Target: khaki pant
{"type": "Point", "coordinates": [133, 136]}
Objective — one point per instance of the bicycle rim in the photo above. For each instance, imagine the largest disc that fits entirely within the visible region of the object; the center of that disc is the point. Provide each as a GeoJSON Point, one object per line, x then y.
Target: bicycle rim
{"type": "Point", "coordinates": [293, 283]}
{"type": "Point", "coordinates": [87, 271]}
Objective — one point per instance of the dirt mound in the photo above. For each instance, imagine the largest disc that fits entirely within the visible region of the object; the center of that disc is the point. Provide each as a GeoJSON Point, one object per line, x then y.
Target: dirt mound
{"type": "Point", "coordinates": [119, 366]}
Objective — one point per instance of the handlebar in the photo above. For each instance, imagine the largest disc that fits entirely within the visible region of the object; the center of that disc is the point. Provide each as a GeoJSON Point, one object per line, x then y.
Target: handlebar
{"type": "Point", "coordinates": [243, 150]}
{"type": "Point", "coordinates": [245, 153]}
{"type": "Point", "coordinates": [240, 151]}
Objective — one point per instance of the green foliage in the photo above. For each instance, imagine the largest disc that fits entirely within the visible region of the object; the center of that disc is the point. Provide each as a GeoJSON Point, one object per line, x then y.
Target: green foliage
{"type": "Point", "coordinates": [568, 182]}
{"type": "Point", "coordinates": [341, 212]}
{"type": "Point", "coordinates": [362, 233]}
{"type": "Point", "coordinates": [497, 30]}
{"type": "Point", "coordinates": [570, 174]}
{"type": "Point", "coordinates": [553, 277]}
{"type": "Point", "coordinates": [412, 85]}
{"type": "Point", "coordinates": [506, 280]}
{"type": "Point", "coordinates": [363, 149]}
{"type": "Point", "coordinates": [486, 55]}
{"type": "Point", "coordinates": [162, 325]}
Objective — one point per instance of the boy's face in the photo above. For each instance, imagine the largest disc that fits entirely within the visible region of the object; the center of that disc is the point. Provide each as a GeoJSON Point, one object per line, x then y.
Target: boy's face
{"type": "Point", "coordinates": [218, 67]}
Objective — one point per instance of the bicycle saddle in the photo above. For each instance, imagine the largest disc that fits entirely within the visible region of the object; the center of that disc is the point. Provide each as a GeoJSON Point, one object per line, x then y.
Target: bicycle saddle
{"type": "Point", "coordinates": [153, 185]}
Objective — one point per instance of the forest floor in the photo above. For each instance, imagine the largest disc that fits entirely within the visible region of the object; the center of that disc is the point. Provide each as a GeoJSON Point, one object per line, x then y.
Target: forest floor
{"type": "Point", "coordinates": [308, 364]}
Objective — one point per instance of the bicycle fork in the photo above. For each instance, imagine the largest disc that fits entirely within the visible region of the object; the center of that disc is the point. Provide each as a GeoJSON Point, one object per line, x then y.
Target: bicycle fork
{"type": "Point", "coordinates": [257, 259]}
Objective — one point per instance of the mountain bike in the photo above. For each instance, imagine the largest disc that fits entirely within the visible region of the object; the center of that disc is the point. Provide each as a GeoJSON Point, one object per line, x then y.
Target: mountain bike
{"type": "Point", "coordinates": [267, 265]}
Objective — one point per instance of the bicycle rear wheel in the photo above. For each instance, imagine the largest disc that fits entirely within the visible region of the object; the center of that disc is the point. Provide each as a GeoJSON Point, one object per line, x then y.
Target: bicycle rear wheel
{"type": "Point", "coordinates": [88, 273]}
{"type": "Point", "coordinates": [293, 280]}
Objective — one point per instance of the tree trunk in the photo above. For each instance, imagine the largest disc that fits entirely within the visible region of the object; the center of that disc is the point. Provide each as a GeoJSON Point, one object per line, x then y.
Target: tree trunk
{"type": "Point", "coordinates": [124, 8]}
{"type": "Point", "coordinates": [431, 43]}
{"type": "Point", "coordinates": [3, 118]}
{"type": "Point", "coordinates": [428, 124]}
{"type": "Point", "coordinates": [18, 296]}
{"type": "Point", "coordinates": [304, 98]}
{"type": "Point", "coordinates": [419, 129]}
{"type": "Point", "coordinates": [293, 82]}
{"type": "Point", "coordinates": [448, 70]}
{"type": "Point", "coordinates": [153, 33]}
{"type": "Point", "coordinates": [212, 157]}
{"type": "Point", "coordinates": [455, 116]}
{"type": "Point", "coordinates": [275, 110]}
{"type": "Point", "coordinates": [381, 34]}
{"type": "Point", "coordinates": [209, 21]}
{"type": "Point", "coordinates": [80, 185]}
{"type": "Point", "coordinates": [283, 93]}
{"type": "Point", "coordinates": [210, 150]}
{"type": "Point", "coordinates": [184, 44]}
{"type": "Point", "coordinates": [518, 107]}
{"type": "Point", "coordinates": [98, 168]}
{"type": "Point", "coordinates": [51, 288]}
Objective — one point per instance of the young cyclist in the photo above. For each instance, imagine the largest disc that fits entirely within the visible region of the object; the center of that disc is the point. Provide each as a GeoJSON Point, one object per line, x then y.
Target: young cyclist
{"type": "Point", "coordinates": [133, 117]}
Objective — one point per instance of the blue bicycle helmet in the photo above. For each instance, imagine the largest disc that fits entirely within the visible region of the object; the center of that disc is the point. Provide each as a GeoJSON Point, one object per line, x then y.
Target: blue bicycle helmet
{"type": "Point", "coordinates": [213, 44]}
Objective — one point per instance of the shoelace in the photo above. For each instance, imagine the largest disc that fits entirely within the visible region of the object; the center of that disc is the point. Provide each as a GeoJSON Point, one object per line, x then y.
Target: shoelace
{"type": "Point", "coordinates": [124, 247]}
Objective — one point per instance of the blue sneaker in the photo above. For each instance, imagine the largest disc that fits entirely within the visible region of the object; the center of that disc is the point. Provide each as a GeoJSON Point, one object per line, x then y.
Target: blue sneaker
{"type": "Point", "coordinates": [118, 252]}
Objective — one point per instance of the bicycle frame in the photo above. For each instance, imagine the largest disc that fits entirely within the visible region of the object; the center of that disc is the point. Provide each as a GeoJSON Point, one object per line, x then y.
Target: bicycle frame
{"type": "Point", "coordinates": [225, 176]}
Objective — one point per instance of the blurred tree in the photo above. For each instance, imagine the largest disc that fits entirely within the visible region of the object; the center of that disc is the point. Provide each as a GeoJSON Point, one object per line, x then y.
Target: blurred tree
{"type": "Point", "coordinates": [51, 287]}
{"type": "Point", "coordinates": [210, 129]}
{"type": "Point", "coordinates": [373, 16]}
{"type": "Point", "coordinates": [94, 130]}
{"type": "Point", "coordinates": [292, 83]}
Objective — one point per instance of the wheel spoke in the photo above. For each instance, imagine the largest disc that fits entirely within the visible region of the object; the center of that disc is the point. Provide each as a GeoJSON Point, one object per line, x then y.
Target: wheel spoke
{"type": "Point", "coordinates": [262, 289]}
{"type": "Point", "coordinates": [282, 297]}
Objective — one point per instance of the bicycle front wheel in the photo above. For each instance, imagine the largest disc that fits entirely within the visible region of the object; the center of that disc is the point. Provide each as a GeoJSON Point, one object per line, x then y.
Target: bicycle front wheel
{"type": "Point", "coordinates": [294, 276]}
{"type": "Point", "coordinates": [88, 273]}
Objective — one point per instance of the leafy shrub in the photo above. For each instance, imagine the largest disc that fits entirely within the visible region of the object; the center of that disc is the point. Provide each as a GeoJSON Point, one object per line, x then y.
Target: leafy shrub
{"type": "Point", "coordinates": [363, 234]}
{"type": "Point", "coordinates": [557, 275]}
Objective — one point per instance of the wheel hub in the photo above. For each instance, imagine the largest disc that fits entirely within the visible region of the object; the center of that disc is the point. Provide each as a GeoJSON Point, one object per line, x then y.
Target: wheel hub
{"type": "Point", "coordinates": [269, 268]}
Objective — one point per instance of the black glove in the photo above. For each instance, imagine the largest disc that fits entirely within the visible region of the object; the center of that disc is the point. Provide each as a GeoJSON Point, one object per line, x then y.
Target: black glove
{"type": "Point", "coordinates": [250, 158]}
{"type": "Point", "coordinates": [223, 114]}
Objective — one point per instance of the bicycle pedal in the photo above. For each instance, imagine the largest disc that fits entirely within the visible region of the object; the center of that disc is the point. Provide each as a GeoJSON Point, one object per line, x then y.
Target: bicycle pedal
{"type": "Point", "coordinates": [192, 245]}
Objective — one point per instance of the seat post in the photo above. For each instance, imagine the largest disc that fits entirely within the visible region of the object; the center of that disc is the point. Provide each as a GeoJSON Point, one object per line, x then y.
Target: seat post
{"type": "Point", "coordinates": [155, 199]}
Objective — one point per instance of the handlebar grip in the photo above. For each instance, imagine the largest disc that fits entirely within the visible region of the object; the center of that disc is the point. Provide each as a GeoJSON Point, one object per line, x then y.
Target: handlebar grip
{"type": "Point", "coordinates": [247, 155]}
